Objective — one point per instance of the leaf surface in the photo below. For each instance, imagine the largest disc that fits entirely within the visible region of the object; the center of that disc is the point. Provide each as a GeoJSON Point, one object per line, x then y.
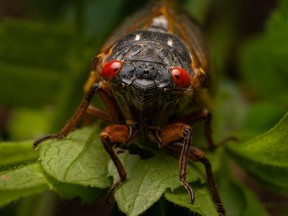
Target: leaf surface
{"type": "Point", "coordinates": [148, 179]}
{"type": "Point", "coordinates": [265, 156]}
{"type": "Point", "coordinates": [20, 182]}
{"type": "Point", "coordinates": [78, 159]}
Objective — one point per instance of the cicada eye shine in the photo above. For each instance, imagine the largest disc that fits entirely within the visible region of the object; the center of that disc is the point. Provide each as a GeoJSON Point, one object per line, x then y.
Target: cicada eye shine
{"type": "Point", "coordinates": [111, 69]}
{"type": "Point", "coordinates": [181, 77]}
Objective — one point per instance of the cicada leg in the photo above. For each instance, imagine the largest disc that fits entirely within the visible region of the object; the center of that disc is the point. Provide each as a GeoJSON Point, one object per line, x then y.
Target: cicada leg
{"type": "Point", "coordinates": [206, 116]}
{"type": "Point", "coordinates": [177, 132]}
{"type": "Point", "coordinates": [86, 107]}
{"type": "Point", "coordinates": [74, 120]}
{"type": "Point", "coordinates": [110, 136]}
{"type": "Point", "coordinates": [98, 113]}
{"type": "Point", "coordinates": [177, 137]}
{"type": "Point", "coordinates": [198, 155]}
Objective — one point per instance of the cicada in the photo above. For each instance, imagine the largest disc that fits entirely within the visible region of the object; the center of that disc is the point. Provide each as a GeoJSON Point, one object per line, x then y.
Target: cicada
{"type": "Point", "coordinates": [152, 76]}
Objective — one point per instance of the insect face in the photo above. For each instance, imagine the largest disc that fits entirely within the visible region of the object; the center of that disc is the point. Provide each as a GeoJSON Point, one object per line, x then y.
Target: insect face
{"type": "Point", "coordinates": [149, 72]}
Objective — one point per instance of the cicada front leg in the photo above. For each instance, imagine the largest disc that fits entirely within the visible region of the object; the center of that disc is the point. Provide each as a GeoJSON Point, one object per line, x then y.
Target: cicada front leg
{"type": "Point", "coordinates": [74, 120]}
{"type": "Point", "coordinates": [86, 107]}
{"type": "Point", "coordinates": [111, 136]}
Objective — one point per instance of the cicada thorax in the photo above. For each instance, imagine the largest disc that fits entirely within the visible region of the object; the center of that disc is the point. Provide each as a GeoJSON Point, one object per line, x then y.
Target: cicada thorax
{"type": "Point", "coordinates": [154, 68]}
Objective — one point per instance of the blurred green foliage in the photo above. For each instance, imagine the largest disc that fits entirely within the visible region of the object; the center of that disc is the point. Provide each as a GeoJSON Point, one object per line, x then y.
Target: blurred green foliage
{"type": "Point", "coordinates": [44, 60]}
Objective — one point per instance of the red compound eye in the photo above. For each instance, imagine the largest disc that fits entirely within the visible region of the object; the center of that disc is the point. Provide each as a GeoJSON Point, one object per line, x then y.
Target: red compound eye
{"type": "Point", "coordinates": [111, 69]}
{"type": "Point", "coordinates": [180, 77]}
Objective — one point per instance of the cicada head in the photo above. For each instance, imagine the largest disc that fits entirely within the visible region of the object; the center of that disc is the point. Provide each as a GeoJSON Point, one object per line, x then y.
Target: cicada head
{"type": "Point", "coordinates": [146, 59]}
{"type": "Point", "coordinates": [149, 71]}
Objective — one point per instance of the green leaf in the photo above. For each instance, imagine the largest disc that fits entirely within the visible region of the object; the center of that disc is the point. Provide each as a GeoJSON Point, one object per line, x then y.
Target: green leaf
{"type": "Point", "coordinates": [203, 204]}
{"type": "Point", "coordinates": [20, 182]}
{"type": "Point", "coordinates": [78, 159]}
{"type": "Point", "coordinates": [236, 198]}
{"type": "Point", "coordinates": [148, 179]}
{"type": "Point", "coordinates": [69, 191]}
{"type": "Point", "coordinates": [16, 152]}
{"type": "Point", "coordinates": [265, 157]}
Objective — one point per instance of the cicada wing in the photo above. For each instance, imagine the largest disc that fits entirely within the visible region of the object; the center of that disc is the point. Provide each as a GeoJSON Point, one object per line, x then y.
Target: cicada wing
{"type": "Point", "coordinates": [189, 30]}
